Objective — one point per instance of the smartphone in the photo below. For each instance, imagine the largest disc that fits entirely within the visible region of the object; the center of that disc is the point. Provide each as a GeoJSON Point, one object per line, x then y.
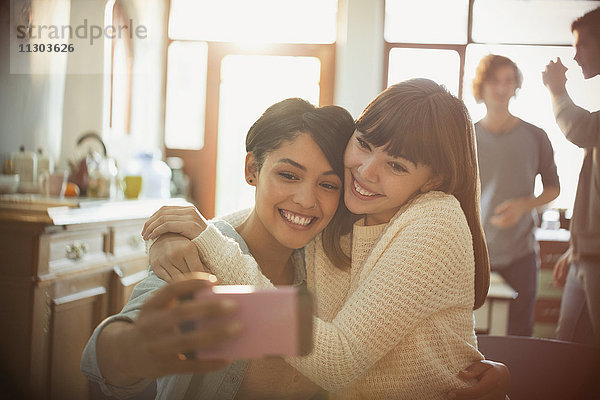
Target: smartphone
{"type": "Point", "coordinates": [275, 322]}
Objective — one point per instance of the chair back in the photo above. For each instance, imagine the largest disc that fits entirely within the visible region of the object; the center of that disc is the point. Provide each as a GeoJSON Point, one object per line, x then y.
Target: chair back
{"type": "Point", "coordinates": [545, 368]}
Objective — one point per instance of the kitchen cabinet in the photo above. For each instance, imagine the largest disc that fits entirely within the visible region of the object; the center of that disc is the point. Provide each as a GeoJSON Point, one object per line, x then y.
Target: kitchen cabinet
{"type": "Point", "coordinates": [62, 271]}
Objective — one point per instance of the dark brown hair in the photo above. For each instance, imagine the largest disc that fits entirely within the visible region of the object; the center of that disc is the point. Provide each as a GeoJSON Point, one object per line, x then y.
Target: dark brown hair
{"type": "Point", "coordinates": [487, 68]}
{"type": "Point", "coordinates": [589, 21]}
{"type": "Point", "coordinates": [422, 122]}
{"type": "Point", "coordinates": [329, 126]}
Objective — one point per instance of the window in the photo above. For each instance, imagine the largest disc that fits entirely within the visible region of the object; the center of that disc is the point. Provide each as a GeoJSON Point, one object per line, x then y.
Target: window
{"type": "Point", "coordinates": [228, 61]}
{"type": "Point", "coordinates": [531, 22]}
{"type": "Point", "coordinates": [420, 43]}
{"type": "Point", "coordinates": [408, 21]}
{"type": "Point", "coordinates": [186, 95]}
{"type": "Point", "coordinates": [256, 21]}
{"type": "Point", "coordinates": [406, 63]}
{"type": "Point", "coordinates": [250, 84]}
{"type": "Point", "coordinates": [439, 47]}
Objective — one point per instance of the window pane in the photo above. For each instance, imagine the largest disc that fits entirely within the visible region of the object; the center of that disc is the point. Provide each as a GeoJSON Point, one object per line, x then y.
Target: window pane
{"type": "Point", "coordinates": [438, 65]}
{"type": "Point", "coordinates": [431, 21]}
{"type": "Point", "coordinates": [533, 102]}
{"type": "Point", "coordinates": [186, 95]}
{"type": "Point", "coordinates": [263, 21]}
{"type": "Point", "coordinates": [250, 84]}
{"type": "Point", "coordinates": [528, 22]}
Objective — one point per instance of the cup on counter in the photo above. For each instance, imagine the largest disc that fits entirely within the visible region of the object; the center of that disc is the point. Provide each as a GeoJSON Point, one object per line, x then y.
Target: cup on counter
{"type": "Point", "coordinates": [132, 186]}
{"type": "Point", "coordinates": [53, 183]}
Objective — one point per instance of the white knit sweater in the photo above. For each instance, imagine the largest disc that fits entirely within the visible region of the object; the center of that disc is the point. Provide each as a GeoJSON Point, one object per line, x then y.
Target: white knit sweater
{"type": "Point", "coordinates": [399, 323]}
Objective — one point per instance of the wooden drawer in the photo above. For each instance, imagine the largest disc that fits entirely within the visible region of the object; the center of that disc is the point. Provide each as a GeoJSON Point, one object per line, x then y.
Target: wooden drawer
{"type": "Point", "coordinates": [76, 307]}
{"type": "Point", "coordinates": [74, 249]}
{"type": "Point", "coordinates": [124, 278]}
{"type": "Point", "coordinates": [126, 239]}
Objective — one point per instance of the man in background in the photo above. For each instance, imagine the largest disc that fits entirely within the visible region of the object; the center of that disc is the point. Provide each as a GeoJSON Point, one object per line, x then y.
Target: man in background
{"type": "Point", "coordinates": [578, 270]}
{"type": "Point", "coordinates": [511, 153]}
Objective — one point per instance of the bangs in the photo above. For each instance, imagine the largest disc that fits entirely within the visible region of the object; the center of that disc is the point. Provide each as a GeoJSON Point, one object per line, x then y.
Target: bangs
{"type": "Point", "coordinates": [405, 132]}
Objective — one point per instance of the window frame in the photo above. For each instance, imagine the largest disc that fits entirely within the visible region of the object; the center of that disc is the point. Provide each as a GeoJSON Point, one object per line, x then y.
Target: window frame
{"type": "Point", "coordinates": [201, 165]}
{"type": "Point", "coordinates": [461, 49]}
{"type": "Point", "coordinates": [462, 52]}
{"type": "Point", "coordinates": [119, 17]}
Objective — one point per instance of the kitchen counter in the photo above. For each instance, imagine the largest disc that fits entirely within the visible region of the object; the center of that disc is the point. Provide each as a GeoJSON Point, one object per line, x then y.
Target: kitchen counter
{"type": "Point", "coordinates": [65, 265]}
{"type": "Point", "coordinates": [552, 235]}
{"type": "Point", "coordinates": [64, 211]}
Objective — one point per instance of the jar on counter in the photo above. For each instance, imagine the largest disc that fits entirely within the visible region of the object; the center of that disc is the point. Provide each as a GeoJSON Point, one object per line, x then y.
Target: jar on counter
{"type": "Point", "coordinates": [25, 165]}
{"type": "Point", "coordinates": [102, 176]}
{"type": "Point", "coordinates": [156, 175]}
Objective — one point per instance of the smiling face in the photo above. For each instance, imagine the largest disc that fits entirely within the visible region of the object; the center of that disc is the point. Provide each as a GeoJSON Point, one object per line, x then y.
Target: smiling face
{"type": "Point", "coordinates": [378, 184]}
{"type": "Point", "coordinates": [500, 87]}
{"type": "Point", "coordinates": [297, 193]}
{"type": "Point", "coordinates": [587, 52]}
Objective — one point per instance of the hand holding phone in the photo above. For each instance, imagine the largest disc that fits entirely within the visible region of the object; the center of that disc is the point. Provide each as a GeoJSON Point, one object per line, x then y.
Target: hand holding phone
{"type": "Point", "coordinates": [275, 322]}
{"type": "Point", "coordinates": [151, 345]}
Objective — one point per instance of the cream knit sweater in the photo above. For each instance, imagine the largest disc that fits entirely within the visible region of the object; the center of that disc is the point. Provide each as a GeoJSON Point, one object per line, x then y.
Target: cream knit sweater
{"type": "Point", "coordinates": [399, 323]}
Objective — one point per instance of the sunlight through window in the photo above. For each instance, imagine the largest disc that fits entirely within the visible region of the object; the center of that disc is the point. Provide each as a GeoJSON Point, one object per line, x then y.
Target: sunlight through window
{"type": "Point", "coordinates": [531, 21]}
{"type": "Point", "coordinates": [186, 95]}
{"type": "Point", "coordinates": [411, 21]}
{"type": "Point", "coordinates": [257, 21]}
{"type": "Point", "coordinates": [441, 66]}
{"type": "Point", "coordinates": [250, 84]}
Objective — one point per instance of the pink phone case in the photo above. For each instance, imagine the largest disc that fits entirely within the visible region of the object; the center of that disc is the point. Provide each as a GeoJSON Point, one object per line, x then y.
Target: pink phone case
{"type": "Point", "coordinates": [275, 322]}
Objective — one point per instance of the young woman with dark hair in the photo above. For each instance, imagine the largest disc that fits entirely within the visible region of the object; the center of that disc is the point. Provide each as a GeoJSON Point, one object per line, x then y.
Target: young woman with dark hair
{"type": "Point", "coordinates": [394, 302]}
{"type": "Point", "coordinates": [295, 160]}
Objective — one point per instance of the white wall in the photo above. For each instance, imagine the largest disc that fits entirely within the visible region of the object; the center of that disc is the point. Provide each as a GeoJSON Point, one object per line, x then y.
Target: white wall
{"type": "Point", "coordinates": [84, 81]}
{"type": "Point", "coordinates": [359, 53]}
{"type": "Point", "coordinates": [31, 104]}
{"type": "Point", "coordinates": [53, 108]}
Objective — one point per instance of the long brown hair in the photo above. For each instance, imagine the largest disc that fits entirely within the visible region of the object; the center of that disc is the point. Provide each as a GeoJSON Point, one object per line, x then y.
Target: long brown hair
{"type": "Point", "coordinates": [422, 122]}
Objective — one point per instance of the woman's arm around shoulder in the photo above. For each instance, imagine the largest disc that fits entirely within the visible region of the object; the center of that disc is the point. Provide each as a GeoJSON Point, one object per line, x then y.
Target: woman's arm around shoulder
{"type": "Point", "coordinates": [224, 258]}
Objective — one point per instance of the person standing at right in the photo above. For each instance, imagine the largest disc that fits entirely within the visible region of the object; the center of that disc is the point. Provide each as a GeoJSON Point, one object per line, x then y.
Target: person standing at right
{"type": "Point", "coordinates": [511, 153]}
{"type": "Point", "coordinates": [578, 270]}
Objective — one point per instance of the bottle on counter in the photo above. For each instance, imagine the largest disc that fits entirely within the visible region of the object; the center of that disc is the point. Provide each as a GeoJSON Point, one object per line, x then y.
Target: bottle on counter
{"type": "Point", "coordinates": [25, 164]}
{"type": "Point", "coordinates": [155, 173]}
